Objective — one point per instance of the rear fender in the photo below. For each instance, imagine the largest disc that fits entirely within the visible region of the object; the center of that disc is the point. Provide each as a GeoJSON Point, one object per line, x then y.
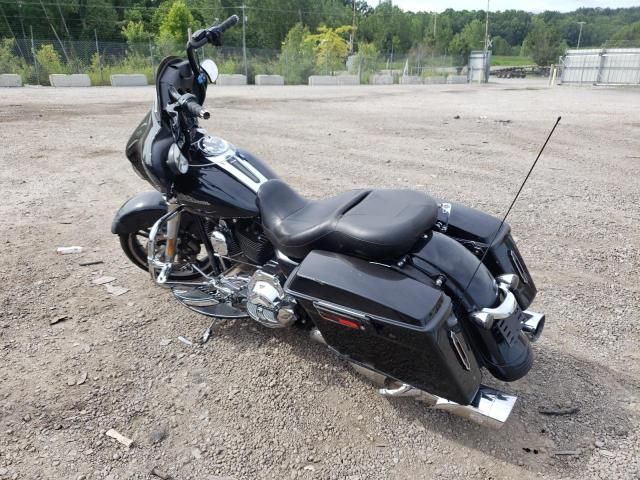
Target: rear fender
{"type": "Point", "coordinates": [140, 211]}
{"type": "Point", "coordinates": [466, 278]}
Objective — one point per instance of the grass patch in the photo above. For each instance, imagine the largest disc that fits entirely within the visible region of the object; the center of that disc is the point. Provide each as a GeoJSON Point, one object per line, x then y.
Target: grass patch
{"type": "Point", "coordinates": [511, 61]}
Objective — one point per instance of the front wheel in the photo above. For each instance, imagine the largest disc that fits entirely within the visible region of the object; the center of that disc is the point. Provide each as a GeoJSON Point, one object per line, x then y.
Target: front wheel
{"type": "Point", "coordinates": [191, 253]}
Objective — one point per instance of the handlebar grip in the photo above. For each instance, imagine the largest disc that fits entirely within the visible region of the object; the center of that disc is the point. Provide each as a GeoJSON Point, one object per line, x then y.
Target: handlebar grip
{"type": "Point", "coordinates": [228, 23]}
{"type": "Point", "coordinates": [195, 109]}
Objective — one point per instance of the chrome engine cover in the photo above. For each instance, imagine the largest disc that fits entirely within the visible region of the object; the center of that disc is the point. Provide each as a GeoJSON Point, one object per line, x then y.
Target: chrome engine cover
{"type": "Point", "coordinates": [267, 303]}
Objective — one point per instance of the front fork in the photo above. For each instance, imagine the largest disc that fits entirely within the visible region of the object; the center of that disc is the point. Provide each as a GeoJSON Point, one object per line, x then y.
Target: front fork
{"type": "Point", "coordinates": [172, 221]}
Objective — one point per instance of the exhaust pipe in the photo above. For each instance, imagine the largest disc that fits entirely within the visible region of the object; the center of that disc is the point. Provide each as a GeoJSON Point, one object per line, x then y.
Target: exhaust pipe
{"type": "Point", "coordinates": [533, 325]}
{"type": "Point", "coordinates": [489, 408]}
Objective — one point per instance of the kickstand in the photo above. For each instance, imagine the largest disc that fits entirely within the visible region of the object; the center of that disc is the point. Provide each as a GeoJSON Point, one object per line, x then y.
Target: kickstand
{"type": "Point", "coordinates": [207, 334]}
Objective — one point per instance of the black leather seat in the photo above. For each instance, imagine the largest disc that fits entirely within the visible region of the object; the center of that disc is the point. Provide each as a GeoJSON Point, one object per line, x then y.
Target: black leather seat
{"type": "Point", "coordinates": [371, 224]}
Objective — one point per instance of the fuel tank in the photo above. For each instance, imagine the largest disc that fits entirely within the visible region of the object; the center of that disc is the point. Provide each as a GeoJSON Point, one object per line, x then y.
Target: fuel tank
{"type": "Point", "coordinates": [217, 192]}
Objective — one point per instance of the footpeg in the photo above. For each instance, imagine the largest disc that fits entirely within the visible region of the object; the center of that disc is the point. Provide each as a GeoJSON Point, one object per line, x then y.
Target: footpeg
{"type": "Point", "coordinates": [164, 274]}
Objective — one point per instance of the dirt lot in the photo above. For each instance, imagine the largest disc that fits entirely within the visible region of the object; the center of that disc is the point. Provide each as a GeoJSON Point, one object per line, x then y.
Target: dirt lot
{"type": "Point", "coordinates": [253, 403]}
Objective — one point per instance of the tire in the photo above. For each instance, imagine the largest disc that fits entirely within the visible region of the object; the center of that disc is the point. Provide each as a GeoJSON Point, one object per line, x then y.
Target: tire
{"type": "Point", "coordinates": [136, 251]}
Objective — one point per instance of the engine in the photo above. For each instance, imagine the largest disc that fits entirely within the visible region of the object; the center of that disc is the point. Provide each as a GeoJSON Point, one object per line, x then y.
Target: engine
{"type": "Point", "coordinates": [267, 303]}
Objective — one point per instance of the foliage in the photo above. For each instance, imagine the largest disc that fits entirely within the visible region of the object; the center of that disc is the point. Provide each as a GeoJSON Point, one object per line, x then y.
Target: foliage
{"type": "Point", "coordinates": [49, 62]}
{"type": "Point", "coordinates": [136, 36]}
{"type": "Point", "coordinates": [177, 22]}
{"type": "Point", "coordinates": [511, 61]}
{"type": "Point", "coordinates": [470, 38]}
{"type": "Point", "coordinates": [543, 43]}
{"type": "Point", "coordinates": [100, 73]}
{"type": "Point", "coordinates": [367, 61]}
{"type": "Point", "coordinates": [330, 47]}
{"type": "Point", "coordinates": [297, 58]}
{"type": "Point", "coordinates": [628, 36]}
{"type": "Point", "coordinates": [11, 63]}
{"type": "Point", "coordinates": [499, 46]}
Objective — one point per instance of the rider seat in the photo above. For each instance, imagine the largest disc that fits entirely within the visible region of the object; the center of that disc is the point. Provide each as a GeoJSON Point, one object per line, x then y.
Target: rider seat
{"type": "Point", "coordinates": [370, 224]}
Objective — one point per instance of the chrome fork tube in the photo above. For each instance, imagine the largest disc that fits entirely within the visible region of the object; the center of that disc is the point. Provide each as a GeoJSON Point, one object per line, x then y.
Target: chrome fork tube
{"type": "Point", "coordinates": [172, 219]}
{"type": "Point", "coordinates": [173, 226]}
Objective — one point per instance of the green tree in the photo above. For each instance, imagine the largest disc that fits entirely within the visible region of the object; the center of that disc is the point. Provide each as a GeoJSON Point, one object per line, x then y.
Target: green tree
{"type": "Point", "coordinates": [137, 37]}
{"type": "Point", "coordinates": [499, 46]}
{"type": "Point", "coordinates": [543, 43]}
{"type": "Point", "coordinates": [628, 36]}
{"type": "Point", "coordinates": [10, 63]}
{"type": "Point", "coordinates": [367, 60]}
{"type": "Point", "coordinates": [178, 20]}
{"type": "Point", "coordinates": [297, 58]}
{"type": "Point", "coordinates": [470, 38]}
{"type": "Point", "coordinates": [330, 47]}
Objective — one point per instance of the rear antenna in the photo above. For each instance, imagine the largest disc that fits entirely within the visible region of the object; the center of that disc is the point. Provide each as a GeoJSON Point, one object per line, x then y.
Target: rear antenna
{"type": "Point", "coordinates": [515, 199]}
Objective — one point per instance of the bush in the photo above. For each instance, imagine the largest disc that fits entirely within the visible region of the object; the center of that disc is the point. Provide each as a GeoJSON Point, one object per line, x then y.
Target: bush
{"type": "Point", "coordinates": [297, 58]}
{"type": "Point", "coordinates": [100, 73]}
{"type": "Point", "coordinates": [367, 61]}
{"type": "Point", "coordinates": [10, 63]}
{"type": "Point", "coordinates": [49, 60]}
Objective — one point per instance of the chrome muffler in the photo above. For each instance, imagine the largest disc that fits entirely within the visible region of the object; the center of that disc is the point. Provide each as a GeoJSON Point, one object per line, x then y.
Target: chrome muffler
{"type": "Point", "coordinates": [533, 325]}
{"type": "Point", "coordinates": [489, 407]}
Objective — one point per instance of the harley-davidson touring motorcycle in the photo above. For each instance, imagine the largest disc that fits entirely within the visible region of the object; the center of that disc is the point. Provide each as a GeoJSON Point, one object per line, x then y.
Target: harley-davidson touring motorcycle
{"type": "Point", "coordinates": [417, 294]}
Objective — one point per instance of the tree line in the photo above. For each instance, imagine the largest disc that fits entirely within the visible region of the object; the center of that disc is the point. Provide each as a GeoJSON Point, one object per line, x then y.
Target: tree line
{"type": "Point", "coordinates": [276, 24]}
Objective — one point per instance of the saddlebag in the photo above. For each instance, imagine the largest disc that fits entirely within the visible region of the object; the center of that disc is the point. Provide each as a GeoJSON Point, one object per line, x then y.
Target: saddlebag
{"type": "Point", "coordinates": [475, 230]}
{"type": "Point", "coordinates": [384, 320]}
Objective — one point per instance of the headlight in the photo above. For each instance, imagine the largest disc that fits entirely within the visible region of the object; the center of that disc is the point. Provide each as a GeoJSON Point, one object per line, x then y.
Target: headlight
{"type": "Point", "coordinates": [177, 162]}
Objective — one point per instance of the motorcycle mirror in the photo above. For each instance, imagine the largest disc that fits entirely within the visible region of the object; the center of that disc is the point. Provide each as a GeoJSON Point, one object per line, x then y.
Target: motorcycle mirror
{"type": "Point", "coordinates": [210, 69]}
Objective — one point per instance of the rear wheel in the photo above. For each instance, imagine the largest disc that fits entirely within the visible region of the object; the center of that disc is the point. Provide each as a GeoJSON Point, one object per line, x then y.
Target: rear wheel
{"type": "Point", "coordinates": [190, 253]}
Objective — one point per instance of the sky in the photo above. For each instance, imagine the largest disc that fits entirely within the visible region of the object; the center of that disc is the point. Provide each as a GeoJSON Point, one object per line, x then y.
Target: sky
{"type": "Point", "coordinates": [529, 5]}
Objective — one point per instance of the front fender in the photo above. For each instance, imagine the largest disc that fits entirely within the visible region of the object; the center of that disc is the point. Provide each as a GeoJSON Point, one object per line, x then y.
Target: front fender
{"type": "Point", "coordinates": [140, 211]}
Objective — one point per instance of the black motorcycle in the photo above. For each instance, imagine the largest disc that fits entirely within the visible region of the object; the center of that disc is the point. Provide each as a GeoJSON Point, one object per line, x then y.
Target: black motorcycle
{"type": "Point", "coordinates": [416, 294]}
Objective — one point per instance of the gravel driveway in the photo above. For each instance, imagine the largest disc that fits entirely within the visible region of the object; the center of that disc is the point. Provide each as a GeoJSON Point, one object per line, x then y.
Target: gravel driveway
{"type": "Point", "coordinates": [254, 403]}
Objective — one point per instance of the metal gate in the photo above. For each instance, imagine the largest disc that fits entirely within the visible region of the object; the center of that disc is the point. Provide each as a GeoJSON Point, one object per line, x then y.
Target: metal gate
{"type": "Point", "coordinates": [612, 66]}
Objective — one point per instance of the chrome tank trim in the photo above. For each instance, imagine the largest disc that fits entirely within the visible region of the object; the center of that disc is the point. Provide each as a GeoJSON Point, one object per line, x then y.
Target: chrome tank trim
{"type": "Point", "coordinates": [233, 164]}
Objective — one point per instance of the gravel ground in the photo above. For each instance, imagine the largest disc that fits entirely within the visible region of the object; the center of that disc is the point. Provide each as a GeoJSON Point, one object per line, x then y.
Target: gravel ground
{"type": "Point", "coordinates": [254, 403]}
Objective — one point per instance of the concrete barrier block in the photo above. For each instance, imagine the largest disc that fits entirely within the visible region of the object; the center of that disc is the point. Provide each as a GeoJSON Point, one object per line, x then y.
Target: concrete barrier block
{"type": "Point", "coordinates": [234, 79]}
{"type": "Point", "coordinates": [410, 80]}
{"type": "Point", "coordinates": [132, 80]}
{"type": "Point", "coordinates": [10, 80]}
{"type": "Point", "coordinates": [381, 79]}
{"type": "Point", "coordinates": [320, 80]}
{"type": "Point", "coordinates": [348, 80]}
{"type": "Point", "coordinates": [437, 79]}
{"type": "Point", "coordinates": [457, 79]}
{"type": "Point", "coordinates": [269, 80]}
{"type": "Point", "coordinates": [75, 80]}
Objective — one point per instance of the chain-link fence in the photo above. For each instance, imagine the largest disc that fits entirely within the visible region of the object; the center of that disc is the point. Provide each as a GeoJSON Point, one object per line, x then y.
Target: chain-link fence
{"type": "Point", "coordinates": [35, 60]}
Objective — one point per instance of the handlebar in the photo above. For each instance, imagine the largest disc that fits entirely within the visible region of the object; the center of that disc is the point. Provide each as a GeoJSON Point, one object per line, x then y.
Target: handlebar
{"type": "Point", "coordinates": [208, 35]}
{"type": "Point", "coordinates": [228, 23]}
{"type": "Point", "coordinates": [189, 104]}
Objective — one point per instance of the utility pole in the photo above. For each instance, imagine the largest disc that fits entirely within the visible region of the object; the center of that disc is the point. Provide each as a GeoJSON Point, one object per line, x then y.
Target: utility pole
{"type": "Point", "coordinates": [435, 26]}
{"type": "Point", "coordinates": [95, 33]}
{"type": "Point", "coordinates": [353, 28]}
{"type": "Point", "coordinates": [33, 53]}
{"type": "Point", "coordinates": [582, 24]}
{"type": "Point", "coordinates": [487, 42]}
{"type": "Point", "coordinates": [244, 42]}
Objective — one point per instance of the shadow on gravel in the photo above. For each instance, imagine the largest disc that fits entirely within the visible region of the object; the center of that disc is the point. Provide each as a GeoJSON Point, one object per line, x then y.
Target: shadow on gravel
{"type": "Point", "coordinates": [538, 442]}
